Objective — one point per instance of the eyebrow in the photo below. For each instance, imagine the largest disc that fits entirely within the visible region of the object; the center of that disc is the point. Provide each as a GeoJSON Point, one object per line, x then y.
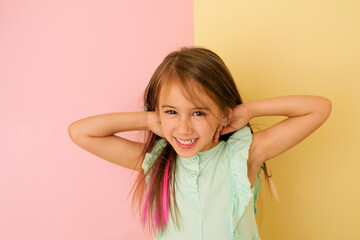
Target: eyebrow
{"type": "Point", "coordinates": [201, 108]}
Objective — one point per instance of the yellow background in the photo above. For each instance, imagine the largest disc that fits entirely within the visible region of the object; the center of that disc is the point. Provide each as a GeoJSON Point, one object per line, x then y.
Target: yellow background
{"type": "Point", "coordinates": [276, 48]}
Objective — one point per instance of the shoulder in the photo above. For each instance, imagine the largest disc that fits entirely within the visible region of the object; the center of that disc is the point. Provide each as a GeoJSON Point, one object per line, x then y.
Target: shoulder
{"type": "Point", "coordinates": [240, 140]}
{"type": "Point", "coordinates": [237, 147]}
{"type": "Point", "coordinates": [245, 142]}
{"type": "Point", "coordinates": [242, 145]}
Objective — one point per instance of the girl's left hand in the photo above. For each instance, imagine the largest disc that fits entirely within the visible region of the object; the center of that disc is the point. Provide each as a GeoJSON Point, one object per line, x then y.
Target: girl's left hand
{"type": "Point", "coordinates": [241, 115]}
{"type": "Point", "coordinates": [154, 124]}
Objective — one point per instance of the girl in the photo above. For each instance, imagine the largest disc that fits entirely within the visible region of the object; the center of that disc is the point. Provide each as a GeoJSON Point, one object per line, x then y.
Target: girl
{"type": "Point", "coordinates": [199, 168]}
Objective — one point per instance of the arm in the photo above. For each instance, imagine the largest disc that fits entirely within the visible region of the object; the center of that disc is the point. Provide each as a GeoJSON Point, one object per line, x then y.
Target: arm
{"type": "Point", "coordinates": [305, 114]}
{"type": "Point", "coordinates": [95, 134]}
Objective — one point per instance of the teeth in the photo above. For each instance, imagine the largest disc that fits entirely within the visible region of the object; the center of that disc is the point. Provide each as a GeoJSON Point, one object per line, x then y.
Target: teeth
{"type": "Point", "coordinates": [186, 142]}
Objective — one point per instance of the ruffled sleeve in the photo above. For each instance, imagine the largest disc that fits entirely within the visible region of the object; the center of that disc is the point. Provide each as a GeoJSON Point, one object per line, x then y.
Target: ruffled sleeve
{"type": "Point", "coordinates": [239, 144]}
{"type": "Point", "coordinates": [151, 157]}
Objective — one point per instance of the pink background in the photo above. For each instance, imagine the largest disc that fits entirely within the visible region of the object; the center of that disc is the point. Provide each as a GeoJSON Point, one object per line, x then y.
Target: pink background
{"type": "Point", "coordinates": [61, 61]}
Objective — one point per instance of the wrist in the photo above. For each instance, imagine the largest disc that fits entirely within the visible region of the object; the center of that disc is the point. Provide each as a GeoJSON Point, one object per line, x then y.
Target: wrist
{"type": "Point", "coordinates": [151, 118]}
{"type": "Point", "coordinates": [250, 109]}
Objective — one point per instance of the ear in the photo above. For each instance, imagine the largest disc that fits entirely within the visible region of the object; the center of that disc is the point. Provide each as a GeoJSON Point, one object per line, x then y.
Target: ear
{"type": "Point", "coordinates": [227, 115]}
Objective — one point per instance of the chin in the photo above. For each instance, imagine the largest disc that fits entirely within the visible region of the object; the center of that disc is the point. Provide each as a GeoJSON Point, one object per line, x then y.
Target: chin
{"type": "Point", "coordinates": [185, 155]}
{"type": "Point", "coordinates": [188, 155]}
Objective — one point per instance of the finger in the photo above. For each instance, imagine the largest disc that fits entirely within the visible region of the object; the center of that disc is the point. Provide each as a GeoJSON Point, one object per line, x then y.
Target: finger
{"type": "Point", "coordinates": [216, 136]}
{"type": "Point", "coordinates": [217, 133]}
{"type": "Point", "coordinates": [227, 130]}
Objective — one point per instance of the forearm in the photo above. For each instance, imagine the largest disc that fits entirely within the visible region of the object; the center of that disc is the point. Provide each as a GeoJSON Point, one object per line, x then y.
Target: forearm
{"type": "Point", "coordinates": [110, 123]}
{"type": "Point", "coordinates": [290, 106]}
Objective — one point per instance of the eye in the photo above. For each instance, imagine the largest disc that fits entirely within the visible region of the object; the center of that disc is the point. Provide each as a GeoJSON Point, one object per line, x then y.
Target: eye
{"type": "Point", "coordinates": [198, 113]}
{"type": "Point", "coordinates": [171, 112]}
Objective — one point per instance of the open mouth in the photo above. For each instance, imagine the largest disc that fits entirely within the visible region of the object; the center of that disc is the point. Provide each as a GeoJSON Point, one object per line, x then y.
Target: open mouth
{"type": "Point", "coordinates": [186, 143]}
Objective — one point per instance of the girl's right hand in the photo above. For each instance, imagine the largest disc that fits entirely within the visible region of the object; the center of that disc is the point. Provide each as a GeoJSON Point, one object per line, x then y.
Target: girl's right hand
{"type": "Point", "coordinates": [154, 124]}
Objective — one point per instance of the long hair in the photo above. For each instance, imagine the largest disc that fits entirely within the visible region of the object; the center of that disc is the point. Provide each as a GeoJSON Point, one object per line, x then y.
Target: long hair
{"type": "Point", "coordinates": [186, 67]}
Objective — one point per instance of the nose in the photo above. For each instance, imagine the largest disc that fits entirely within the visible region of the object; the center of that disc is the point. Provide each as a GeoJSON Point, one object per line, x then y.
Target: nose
{"type": "Point", "coordinates": [184, 126]}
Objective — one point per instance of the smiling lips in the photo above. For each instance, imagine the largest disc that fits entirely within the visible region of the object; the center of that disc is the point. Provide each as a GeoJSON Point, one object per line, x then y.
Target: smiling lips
{"type": "Point", "coordinates": [186, 144]}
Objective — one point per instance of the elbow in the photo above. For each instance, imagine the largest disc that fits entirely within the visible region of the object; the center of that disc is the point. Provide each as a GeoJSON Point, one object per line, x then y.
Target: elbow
{"type": "Point", "coordinates": [73, 133]}
{"type": "Point", "coordinates": [327, 107]}
{"type": "Point", "coordinates": [324, 108]}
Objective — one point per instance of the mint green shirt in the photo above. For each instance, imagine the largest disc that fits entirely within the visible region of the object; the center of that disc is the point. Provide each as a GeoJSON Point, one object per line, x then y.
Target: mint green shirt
{"type": "Point", "coordinates": [213, 192]}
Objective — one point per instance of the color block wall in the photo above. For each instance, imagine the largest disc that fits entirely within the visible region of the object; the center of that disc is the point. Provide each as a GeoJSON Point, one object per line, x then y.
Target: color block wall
{"type": "Point", "coordinates": [276, 48]}
{"type": "Point", "coordinates": [61, 61]}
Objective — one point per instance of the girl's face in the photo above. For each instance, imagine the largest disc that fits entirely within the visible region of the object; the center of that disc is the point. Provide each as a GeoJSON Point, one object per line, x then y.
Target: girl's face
{"type": "Point", "coordinates": [188, 128]}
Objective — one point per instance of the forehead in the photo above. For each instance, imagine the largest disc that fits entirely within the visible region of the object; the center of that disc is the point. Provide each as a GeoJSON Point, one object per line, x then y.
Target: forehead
{"type": "Point", "coordinates": [189, 92]}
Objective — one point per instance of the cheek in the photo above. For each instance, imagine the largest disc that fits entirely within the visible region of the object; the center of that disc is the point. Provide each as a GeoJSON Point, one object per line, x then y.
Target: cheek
{"type": "Point", "coordinates": [203, 128]}
{"type": "Point", "coordinates": [210, 128]}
